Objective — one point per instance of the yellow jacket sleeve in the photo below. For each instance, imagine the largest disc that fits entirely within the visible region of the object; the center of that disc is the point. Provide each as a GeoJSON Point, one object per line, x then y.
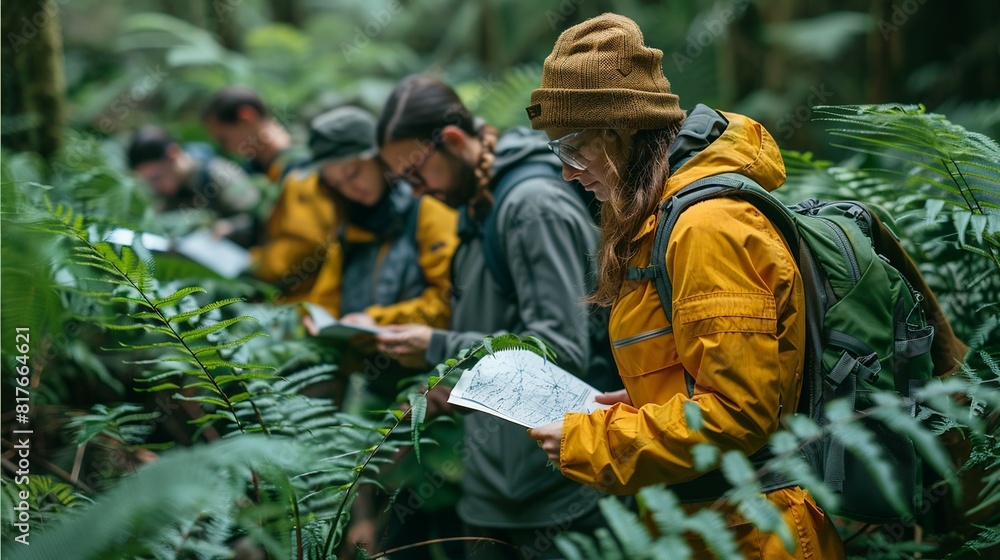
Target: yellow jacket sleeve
{"type": "Point", "coordinates": [738, 330]}
{"type": "Point", "coordinates": [299, 232]}
{"type": "Point", "coordinates": [326, 290]}
{"type": "Point", "coordinates": [436, 239]}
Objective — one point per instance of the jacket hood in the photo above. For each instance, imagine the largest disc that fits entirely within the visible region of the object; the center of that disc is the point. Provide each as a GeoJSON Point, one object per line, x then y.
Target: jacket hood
{"type": "Point", "coordinates": [711, 142]}
{"type": "Point", "coordinates": [515, 147]}
{"type": "Point", "coordinates": [518, 145]}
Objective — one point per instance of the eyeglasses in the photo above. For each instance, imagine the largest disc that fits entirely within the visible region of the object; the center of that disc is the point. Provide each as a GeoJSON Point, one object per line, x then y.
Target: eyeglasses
{"type": "Point", "coordinates": [411, 173]}
{"type": "Point", "coordinates": [569, 153]}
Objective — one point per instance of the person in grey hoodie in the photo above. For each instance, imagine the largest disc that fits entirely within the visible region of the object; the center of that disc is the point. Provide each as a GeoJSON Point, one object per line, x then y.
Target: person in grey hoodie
{"type": "Point", "coordinates": [546, 238]}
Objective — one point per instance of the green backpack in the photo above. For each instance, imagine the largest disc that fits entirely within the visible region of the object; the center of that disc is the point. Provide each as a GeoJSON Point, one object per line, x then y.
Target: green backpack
{"type": "Point", "coordinates": [866, 331]}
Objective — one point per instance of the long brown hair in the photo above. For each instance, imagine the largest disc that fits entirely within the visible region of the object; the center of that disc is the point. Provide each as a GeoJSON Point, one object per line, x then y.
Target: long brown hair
{"type": "Point", "coordinates": [634, 197]}
{"type": "Point", "coordinates": [420, 107]}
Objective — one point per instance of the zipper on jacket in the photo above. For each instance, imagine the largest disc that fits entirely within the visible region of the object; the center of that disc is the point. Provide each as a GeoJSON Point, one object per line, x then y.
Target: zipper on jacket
{"type": "Point", "coordinates": [641, 336]}
{"type": "Point", "coordinates": [845, 248]}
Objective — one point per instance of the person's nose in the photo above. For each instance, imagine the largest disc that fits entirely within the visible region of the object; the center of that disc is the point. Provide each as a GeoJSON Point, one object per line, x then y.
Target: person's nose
{"type": "Point", "coordinates": [569, 172]}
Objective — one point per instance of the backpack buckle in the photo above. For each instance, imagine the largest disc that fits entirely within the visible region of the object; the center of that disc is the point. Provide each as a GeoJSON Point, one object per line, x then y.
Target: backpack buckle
{"type": "Point", "coordinates": [867, 368]}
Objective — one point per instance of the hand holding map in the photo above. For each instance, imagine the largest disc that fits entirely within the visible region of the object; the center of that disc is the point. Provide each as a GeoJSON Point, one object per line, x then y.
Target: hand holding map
{"type": "Point", "coordinates": [522, 387]}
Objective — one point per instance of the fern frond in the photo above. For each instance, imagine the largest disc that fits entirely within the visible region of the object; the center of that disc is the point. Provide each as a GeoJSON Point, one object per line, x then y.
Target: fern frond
{"type": "Point", "coordinates": [963, 167]}
{"type": "Point", "coordinates": [187, 488]}
{"type": "Point", "coordinates": [861, 442]}
{"type": "Point", "coordinates": [126, 423]}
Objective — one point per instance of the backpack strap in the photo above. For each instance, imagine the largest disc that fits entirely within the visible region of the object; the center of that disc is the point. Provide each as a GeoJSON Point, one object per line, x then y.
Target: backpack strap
{"type": "Point", "coordinates": [496, 261]}
{"type": "Point", "coordinates": [731, 185]}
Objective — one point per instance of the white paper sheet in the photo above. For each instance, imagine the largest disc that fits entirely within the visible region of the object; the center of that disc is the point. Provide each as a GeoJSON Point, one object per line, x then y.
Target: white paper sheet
{"type": "Point", "coordinates": [329, 327]}
{"type": "Point", "coordinates": [217, 254]}
{"type": "Point", "coordinates": [522, 387]}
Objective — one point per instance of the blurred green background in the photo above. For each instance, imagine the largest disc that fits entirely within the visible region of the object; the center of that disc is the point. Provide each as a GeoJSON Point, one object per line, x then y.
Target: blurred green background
{"type": "Point", "coordinates": [116, 64]}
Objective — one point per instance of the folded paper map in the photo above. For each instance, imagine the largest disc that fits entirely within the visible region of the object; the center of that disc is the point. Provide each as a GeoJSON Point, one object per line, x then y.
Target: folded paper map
{"type": "Point", "coordinates": [522, 387]}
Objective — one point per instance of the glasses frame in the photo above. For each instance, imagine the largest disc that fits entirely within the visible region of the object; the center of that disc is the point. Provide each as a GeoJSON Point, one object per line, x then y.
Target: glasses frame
{"type": "Point", "coordinates": [568, 153]}
{"type": "Point", "coordinates": [411, 173]}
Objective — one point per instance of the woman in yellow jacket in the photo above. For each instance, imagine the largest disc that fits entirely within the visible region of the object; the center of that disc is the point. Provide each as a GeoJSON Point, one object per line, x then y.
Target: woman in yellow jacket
{"type": "Point", "coordinates": [735, 345]}
{"type": "Point", "coordinates": [391, 260]}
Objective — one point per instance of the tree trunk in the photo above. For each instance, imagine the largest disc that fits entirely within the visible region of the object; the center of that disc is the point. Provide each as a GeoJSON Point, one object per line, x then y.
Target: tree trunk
{"type": "Point", "coordinates": [286, 11]}
{"type": "Point", "coordinates": [227, 29]}
{"type": "Point", "coordinates": [191, 11]}
{"type": "Point", "coordinates": [34, 86]}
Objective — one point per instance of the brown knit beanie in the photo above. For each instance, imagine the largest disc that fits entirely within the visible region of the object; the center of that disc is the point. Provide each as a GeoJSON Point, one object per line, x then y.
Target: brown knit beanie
{"type": "Point", "coordinates": [601, 75]}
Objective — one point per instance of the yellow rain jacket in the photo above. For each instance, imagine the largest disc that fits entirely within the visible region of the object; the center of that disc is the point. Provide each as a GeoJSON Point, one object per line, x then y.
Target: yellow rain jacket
{"type": "Point", "coordinates": [405, 284]}
{"type": "Point", "coordinates": [298, 234]}
{"type": "Point", "coordinates": [738, 330]}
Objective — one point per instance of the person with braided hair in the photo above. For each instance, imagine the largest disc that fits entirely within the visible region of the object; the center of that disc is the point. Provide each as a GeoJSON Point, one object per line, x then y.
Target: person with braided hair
{"type": "Point", "coordinates": [545, 236]}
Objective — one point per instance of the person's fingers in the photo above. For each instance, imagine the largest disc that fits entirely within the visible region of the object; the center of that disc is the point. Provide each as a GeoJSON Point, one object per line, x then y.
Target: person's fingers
{"type": "Point", "coordinates": [310, 326]}
{"type": "Point", "coordinates": [614, 397]}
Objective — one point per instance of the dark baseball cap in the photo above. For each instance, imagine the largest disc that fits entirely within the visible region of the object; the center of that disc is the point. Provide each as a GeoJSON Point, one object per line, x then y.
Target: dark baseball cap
{"type": "Point", "coordinates": [341, 133]}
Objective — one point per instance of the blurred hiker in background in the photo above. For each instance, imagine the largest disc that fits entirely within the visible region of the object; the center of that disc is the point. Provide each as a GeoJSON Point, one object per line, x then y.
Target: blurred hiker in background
{"type": "Point", "coordinates": [193, 184]}
{"type": "Point", "coordinates": [244, 127]}
{"type": "Point", "coordinates": [392, 261]}
{"type": "Point", "coordinates": [390, 265]}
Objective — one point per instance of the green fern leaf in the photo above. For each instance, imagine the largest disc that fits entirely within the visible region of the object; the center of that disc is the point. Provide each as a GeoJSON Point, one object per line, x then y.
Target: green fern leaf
{"type": "Point", "coordinates": [790, 462]}
{"type": "Point", "coordinates": [737, 469]}
{"type": "Point", "coordinates": [202, 332]}
{"type": "Point", "coordinates": [861, 442]}
{"type": "Point", "coordinates": [175, 297]}
{"type": "Point", "coordinates": [213, 417]}
{"type": "Point", "coordinates": [575, 546]}
{"type": "Point", "coordinates": [203, 310]}
{"type": "Point", "coordinates": [418, 411]}
{"type": "Point", "coordinates": [159, 387]}
{"type": "Point", "coordinates": [712, 528]}
{"type": "Point", "coordinates": [609, 546]}
{"type": "Point", "coordinates": [627, 527]}
{"type": "Point", "coordinates": [692, 415]}
{"type": "Point", "coordinates": [230, 344]}
{"type": "Point", "coordinates": [705, 456]}
{"type": "Point", "coordinates": [891, 411]}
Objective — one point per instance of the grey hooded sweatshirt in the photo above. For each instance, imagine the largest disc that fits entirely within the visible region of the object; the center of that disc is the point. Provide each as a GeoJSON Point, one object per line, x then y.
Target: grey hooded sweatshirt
{"type": "Point", "coordinates": [548, 239]}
